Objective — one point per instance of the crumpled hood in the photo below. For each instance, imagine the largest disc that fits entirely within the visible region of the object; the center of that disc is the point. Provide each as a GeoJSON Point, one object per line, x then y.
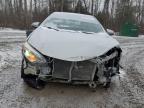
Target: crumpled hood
{"type": "Point", "coordinates": [71, 46]}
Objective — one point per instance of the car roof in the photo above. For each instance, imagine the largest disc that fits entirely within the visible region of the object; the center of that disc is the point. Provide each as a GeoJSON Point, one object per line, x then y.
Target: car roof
{"type": "Point", "coordinates": [73, 16]}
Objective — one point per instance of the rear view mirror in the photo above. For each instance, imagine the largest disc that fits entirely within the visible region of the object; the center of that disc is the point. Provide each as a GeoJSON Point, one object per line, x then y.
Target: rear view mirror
{"type": "Point", "coordinates": [35, 24]}
{"type": "Point", "coordinates": [110, 32]}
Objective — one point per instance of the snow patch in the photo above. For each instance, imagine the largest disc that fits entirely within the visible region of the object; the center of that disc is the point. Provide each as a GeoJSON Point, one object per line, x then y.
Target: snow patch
{"type": "Point", "coordinates": [10, 30]}
{"type": "Point", "coordinates": [141, 35]}
{"type": "Point", "coordinates": [122, 73]}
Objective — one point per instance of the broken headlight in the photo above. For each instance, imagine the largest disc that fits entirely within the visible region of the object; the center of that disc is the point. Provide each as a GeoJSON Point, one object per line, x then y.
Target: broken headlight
{"type": "Point", "coordinates": [32, 55]}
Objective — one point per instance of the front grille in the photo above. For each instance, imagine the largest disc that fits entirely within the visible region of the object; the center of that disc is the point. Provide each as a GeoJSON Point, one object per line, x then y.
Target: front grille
{"type": "Point", "coordinates": [82, 71]}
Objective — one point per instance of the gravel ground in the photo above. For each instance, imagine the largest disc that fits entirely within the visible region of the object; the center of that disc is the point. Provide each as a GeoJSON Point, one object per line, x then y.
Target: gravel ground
{"type": "Point", "coordinates": [125, 92]}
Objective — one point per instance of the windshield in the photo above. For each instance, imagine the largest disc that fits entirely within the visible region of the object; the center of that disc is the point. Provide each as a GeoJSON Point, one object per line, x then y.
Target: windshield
{"type": "Point", "coordinates": [75, 25]}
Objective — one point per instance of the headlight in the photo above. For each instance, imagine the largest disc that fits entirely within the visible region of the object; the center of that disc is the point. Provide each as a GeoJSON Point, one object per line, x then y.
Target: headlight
{"type": "Point", "coordinates": [32, 55]}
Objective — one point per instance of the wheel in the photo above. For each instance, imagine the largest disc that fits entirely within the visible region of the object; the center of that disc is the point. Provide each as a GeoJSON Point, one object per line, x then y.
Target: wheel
{"type": "Point", "coordinates": [31, 80]}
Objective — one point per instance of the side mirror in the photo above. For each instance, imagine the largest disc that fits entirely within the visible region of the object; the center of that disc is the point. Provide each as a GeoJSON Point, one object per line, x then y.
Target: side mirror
{"type": "Point", "coordinates": [35, 24]}
{"type": "Point", "coordinates": [110, 32]}
{"type": "Point", "coordinates": [28, 32]}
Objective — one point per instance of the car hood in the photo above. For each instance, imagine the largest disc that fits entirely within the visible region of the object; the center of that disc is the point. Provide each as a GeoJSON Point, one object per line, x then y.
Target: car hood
{"type": "Point", "coordinates": [70, 45]}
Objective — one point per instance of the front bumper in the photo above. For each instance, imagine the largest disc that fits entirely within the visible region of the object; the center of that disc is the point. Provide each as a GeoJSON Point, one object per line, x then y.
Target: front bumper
{"type": "Point", "coordinates": [83, 72]}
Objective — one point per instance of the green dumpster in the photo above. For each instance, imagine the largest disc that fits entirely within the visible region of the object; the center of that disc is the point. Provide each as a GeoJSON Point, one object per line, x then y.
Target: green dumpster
{"type": "Point", "coordinates": [129, 29]}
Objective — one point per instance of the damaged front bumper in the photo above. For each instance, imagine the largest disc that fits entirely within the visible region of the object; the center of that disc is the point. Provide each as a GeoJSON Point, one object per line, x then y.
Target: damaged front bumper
{"type": "Point", "coordinates": [99, 70]}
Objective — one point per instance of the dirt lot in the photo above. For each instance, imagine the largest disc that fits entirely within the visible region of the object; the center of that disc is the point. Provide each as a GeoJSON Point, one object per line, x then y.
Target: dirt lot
{"type": "Point", "coordinates": [126, 91]}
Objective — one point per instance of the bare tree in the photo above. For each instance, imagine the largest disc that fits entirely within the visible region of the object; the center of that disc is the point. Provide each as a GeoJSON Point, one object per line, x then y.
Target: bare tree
{"type": "Point", "coordinates": [21, 13]}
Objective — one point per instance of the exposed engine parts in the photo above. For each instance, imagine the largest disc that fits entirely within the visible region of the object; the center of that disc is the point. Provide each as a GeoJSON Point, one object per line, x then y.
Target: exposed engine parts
{"type": "Point", "coordinates": [92, 85]}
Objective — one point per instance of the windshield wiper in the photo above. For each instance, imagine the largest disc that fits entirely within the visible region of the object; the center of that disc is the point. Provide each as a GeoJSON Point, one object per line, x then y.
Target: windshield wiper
{"type": "Point", "coordinates": [53, 28]}
{"type": "Point", "coordinates": [87, 32]}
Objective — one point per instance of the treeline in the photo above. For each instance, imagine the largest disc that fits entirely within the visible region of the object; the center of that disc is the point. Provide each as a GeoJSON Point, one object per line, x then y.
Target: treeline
{"type": "Point", "coordinates": [111, 13]}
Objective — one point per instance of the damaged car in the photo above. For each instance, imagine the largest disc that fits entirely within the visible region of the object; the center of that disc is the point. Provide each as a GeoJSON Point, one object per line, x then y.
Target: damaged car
{"type": "Point", "coordinates": [70, 48]}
